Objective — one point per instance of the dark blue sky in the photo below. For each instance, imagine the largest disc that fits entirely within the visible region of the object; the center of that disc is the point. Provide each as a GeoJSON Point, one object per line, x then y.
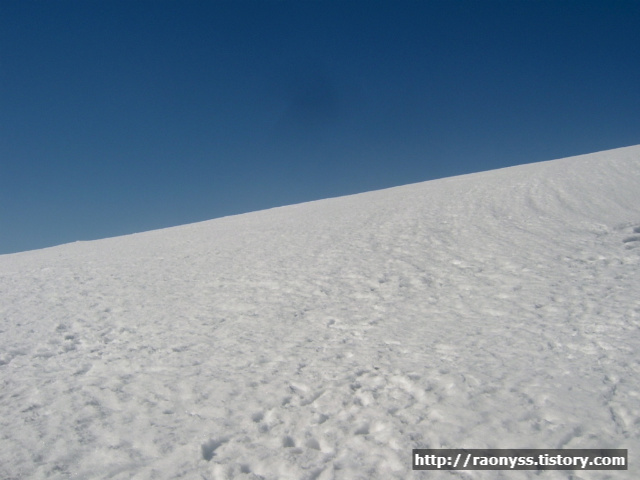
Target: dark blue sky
{"type": "Point", "coordinates": [120, 117]}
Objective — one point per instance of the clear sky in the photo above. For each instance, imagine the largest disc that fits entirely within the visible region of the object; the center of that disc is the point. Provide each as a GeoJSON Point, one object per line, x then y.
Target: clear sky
{"type": "Point", "coordinates": [120, 117]}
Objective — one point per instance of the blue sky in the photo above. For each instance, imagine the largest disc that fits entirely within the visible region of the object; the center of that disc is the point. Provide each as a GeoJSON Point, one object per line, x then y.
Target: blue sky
{"type": "Point", "coordinates": [121, 117]}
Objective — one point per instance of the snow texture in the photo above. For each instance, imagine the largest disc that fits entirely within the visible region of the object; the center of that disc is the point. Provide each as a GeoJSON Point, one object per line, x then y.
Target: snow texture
{"type": "Point", "coordinates": [326, 340]}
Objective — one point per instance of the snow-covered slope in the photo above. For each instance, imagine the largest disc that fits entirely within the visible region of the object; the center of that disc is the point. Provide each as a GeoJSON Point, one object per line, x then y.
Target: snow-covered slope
{"type": "Point", "coordinates": [326, 340]}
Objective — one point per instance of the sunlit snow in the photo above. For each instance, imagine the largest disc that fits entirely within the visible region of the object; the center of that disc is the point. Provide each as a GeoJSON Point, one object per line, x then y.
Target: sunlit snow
{"type": "Point", "coordinates": [326, 340]}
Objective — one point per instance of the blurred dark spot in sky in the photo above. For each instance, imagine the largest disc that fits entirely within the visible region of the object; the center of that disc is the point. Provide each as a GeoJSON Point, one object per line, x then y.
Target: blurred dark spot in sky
{"type": "Point", "coordinates": [312, 105]}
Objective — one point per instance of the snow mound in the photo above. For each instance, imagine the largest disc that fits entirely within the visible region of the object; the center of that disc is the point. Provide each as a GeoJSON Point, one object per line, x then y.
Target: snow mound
{"type": "Point", "coordinates": [326, 340]}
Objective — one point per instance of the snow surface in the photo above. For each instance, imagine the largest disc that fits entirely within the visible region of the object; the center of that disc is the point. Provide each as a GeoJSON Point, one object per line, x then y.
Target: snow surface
{"type": "Point", "coordinates": [326, 340]}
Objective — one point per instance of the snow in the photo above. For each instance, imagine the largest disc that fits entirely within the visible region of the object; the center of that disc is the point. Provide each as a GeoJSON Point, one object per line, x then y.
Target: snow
{"type": "Point", "coordinates": [326, 340]}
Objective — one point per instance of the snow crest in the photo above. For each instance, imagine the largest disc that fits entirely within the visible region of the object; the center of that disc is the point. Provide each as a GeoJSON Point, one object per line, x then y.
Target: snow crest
{"type": "Point", "coordinates": [326, 340]}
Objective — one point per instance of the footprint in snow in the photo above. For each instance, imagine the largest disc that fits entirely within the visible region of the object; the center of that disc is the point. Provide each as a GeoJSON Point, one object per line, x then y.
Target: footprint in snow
{"type": "Point", "coordinates": [210, 446]}
{"type": "Point", "coordinates": [288, 442]}
{"type": "Point", "coordinates": [632, 240]}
